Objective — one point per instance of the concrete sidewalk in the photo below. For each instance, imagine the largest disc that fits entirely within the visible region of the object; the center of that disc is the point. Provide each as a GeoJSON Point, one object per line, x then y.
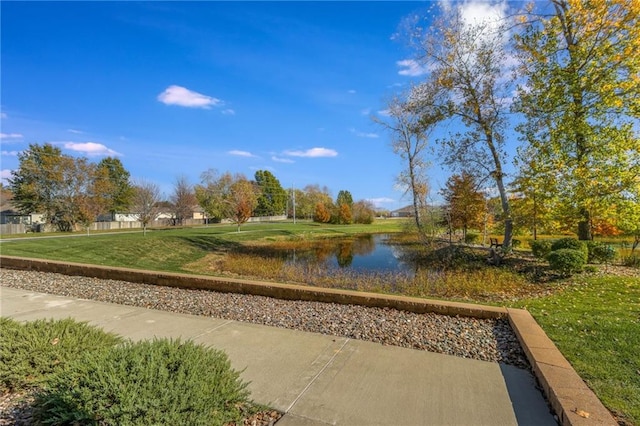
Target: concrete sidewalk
{"type": "Point", "coordinates": [318, 380]}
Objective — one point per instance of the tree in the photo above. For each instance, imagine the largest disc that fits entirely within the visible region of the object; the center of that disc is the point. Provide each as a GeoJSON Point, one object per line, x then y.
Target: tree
{"type": "Point", "coordinates": [241, 200]}
{"type": "Point", "coordinates": [410, 129]}
{"type": "Point", "coordinates": [65, 189]}
{"type": "Point", "coordinates": [343, 207]}
{"type": "Point", "coordinates": [121, 194]}
{"type": "Point", "coordinates": [93, 192]}
{"type": "Point", "coordinates": [363, 212]}
{"type": "Point", "coordinates": [37, 180]}
{"type": "Point", "coordinates": [272, 200]}
{"type": "Point", "coordinates": [581, 100]}
{"type": "Point", "coordinates": [322, 213]}
{"type": "Point", "coordinates": [183, 200]}
{"type": "Point", "coordinates": [145, 203]}
{"type": "Point", "coordinates": [212, 192]}
{"type": "Point", "coordinates": [468, 64]}
{"type": "Point", "coordinates": [465, 204]}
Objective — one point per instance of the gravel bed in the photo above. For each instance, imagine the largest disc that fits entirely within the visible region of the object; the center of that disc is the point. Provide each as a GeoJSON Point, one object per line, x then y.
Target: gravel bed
{"type": "Point", "coordinates": [482, 339]}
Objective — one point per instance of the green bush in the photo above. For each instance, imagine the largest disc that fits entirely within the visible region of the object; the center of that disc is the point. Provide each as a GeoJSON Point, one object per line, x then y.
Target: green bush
{"type": "Point", "coordinates": [600, 253]}
{"type": "Point", "coordinates": [571, 244]}
{"type": "Point", "coordinates": [471, 238]}
{"type": "Point", "coordinates": [32, 352]}
{"type": "Point", "coordinates": [540, 248]}
{"type": "Point", "coordinates": [150, 382]}
{"type": "Point", "coordinates": [567, 261]}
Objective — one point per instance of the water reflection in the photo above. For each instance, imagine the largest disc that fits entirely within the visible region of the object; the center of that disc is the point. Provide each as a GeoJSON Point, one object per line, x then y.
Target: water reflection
{"type": "Point", "coordinates": [367, 253]}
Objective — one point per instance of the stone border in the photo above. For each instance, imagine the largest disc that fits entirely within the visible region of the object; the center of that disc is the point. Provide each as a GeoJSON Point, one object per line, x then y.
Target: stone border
{"type": "Point", "coordinates": [570, 398]}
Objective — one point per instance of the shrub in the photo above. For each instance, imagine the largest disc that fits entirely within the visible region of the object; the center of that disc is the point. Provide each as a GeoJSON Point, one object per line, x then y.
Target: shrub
{"type": "Point", "coordinates": [599, 252]}
{"type": "Point", "coordinates": [540, 248]}
{"type": "Point", "coordinates": [567, 261]}
{"type": "Point", "coordinates": [571, 244]}
{"type": "Point", "coordinates": [516, 243]}
{"type": "Point", "coordinates": [150, 382]}
{"type": "Point", "coordinates": [471, 238]}
{"type": "Point", "coordinates": [631, 261]}
{"type": "Point", "coordinates": [32, 352]}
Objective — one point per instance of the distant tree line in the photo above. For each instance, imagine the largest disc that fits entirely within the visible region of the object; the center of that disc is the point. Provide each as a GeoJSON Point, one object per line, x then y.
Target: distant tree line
{"type": "Point", "coordinates": [71, 192]}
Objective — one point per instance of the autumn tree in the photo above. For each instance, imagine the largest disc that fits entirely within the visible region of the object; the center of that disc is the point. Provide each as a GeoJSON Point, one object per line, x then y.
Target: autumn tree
{"type": "Point", "coordinates": [580, 97]}
{"type": "Point", "coordinates": [464, 203]}
{"type": "Point", "coordinates": [308, 199]}
{"type": "Point", "coordinates": [121, 192]}
{"type": "Point", "coordinates": [65, 189]}
{"type": "Point", "coordinates": [410, 128]}
{"type": "Point", "coordinates": [145, 206]}
{"type": "Point", "coordinates": [241, 200]}
{"type": "Point", "coordinates": [343, 208]}
{"type": "Point", "coordinates": [92, 192]}
{"type": "Point", "coordinates": [468, 63]}
{"type": "Point", "coordinates": [183, 200]}
{"type": "Point", "coordinates": [272, 200]}
{"type": "Point", "coordinates": [321, 214]}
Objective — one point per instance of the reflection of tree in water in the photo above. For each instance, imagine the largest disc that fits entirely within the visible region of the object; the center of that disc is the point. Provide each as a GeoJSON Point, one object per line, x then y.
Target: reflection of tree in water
{"type": "Point", "coordinates": [364, 245]}
{"type": "Point", "coordinates": [344, 254]}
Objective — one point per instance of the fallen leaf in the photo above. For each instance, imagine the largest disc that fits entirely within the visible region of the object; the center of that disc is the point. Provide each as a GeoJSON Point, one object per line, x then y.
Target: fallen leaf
{"type": "Point", "coordinates": [582, 413]}
{"type": "Point", "coordinates": [55, 341]}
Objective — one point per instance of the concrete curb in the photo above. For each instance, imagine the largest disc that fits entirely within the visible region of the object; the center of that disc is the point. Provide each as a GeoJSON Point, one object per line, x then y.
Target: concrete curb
{"type": "Point", "coordinates": [570, 398]}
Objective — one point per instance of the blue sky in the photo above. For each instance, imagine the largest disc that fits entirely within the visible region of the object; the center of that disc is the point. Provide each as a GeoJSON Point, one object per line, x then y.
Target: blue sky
{"type": "Point", "coordinates": [174, 88]}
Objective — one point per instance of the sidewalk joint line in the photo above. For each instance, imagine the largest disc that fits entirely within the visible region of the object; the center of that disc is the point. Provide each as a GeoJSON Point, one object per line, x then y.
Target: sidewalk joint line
{"type": "Point", "coordinates": [317, 375]}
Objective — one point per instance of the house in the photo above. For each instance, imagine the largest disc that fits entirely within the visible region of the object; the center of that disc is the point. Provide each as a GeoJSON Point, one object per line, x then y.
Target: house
{"type": "Point", "coordinates": [406, 211]}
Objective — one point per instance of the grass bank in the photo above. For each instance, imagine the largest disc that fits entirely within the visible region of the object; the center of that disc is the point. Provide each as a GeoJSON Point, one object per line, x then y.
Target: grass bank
{"type": "Point", "coordinates": [595, 322]}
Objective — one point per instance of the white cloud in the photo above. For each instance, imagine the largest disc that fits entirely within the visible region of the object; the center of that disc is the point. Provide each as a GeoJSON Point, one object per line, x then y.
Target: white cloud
{"type": "Point", "coordinates": [3, 115]}
{"type": "Point", "coordinates": [10, 153]}
{"type": "Point", "coordinates": [77, 132]}
{"type": "Point", "coordinates": [240, 153]}
{"type": "Point", "coordinates": [229, 111]}
{"type": "Point", "coordinates": [313, 153]}
{"type": "Point", "coordinates": [382, 200]}
{"type": "Point", "coordinates": [385, 112]}
{"type": "Point", "coordinates": [363, 134]}
{"type": "Point", "coordinates": [4, 175]}
{"type": "Point", "coordinates": [181, 96]}
{"type": "Point", "coordinates": [282, 160]}
{"type": "Point", "coordinates": [365, 111]}
{"type": "Point", "coordinates": [412, 68]}
{"type": "Point", "coordinates": [351, 92]}
{"type": "Point", "coordinates": [90, 148]}
{"type": "Point", "coordinates": [10, 135]}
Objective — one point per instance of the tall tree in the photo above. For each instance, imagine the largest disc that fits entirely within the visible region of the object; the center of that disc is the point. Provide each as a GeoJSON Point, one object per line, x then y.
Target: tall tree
{"type": "Point", "coordinates": [344, 206]}
{"type": "Point", "coordinates": [410, 125]}
{"type": "Point", "coordinates": [467, 61]}
{"type": "Point", "coordinates": [93, 190]}
{"type": "Point", "coordinates": [37, 181]}
{"type": "Point", "coordinates": [145, 203]}
{"type": "Point", "coordinates": [122, 191]}
{"type": "Point", "coordinates": [183, 200]}
{"type": "Point", "coordinates": [272, 200]}
{"type": "Point", "coordinates": [581, 101]}
{"type": "Point", "coordinates": [465, 203]}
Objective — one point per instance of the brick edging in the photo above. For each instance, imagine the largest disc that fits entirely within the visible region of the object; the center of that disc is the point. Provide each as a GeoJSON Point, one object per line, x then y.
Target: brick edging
{"type": "Point", "coordinates": [570, 398]}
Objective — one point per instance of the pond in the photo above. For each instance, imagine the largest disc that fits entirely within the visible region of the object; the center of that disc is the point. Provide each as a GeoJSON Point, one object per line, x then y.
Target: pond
{"type": "Point", "coordinates": [367, 253]}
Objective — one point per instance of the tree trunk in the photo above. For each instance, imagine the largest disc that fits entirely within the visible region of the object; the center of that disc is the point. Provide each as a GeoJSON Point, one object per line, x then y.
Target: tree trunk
{"type": "Point", "coordinates": [584, 225]}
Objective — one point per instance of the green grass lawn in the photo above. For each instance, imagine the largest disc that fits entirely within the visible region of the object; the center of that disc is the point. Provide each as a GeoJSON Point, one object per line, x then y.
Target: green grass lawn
{"type": "Point", "coordinates": [170, 249]}
{"type": "Point", "coordinates": [594, 321]}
